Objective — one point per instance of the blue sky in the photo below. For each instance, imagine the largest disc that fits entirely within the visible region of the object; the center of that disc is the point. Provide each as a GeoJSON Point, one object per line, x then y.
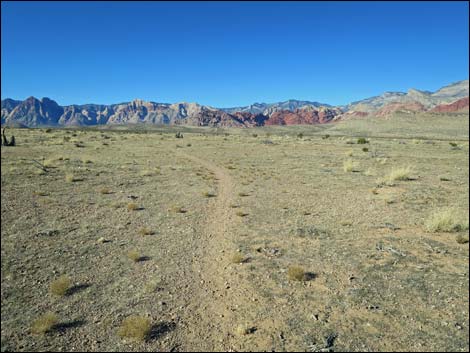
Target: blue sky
{"type": "Point", "coordinates": [229, 53]}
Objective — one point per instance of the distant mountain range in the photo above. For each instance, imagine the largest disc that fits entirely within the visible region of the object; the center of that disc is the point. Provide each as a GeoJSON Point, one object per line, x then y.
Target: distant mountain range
{"type": "Point", "coordinates": [34, 112]}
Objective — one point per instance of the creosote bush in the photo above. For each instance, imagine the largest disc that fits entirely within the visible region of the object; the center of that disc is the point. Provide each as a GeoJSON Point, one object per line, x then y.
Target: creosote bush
{"type": "Point", "coordinates": [135, 328]}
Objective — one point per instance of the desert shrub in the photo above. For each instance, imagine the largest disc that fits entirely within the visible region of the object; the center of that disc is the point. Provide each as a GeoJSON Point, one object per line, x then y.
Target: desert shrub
{"type": "Point", "coordinates": [146, 173]}
{"type": "Point", "coordinates": [105, 191]}
{"type": "Point", "coordinates": [243, 194]}
{"type": "Point", "coordinates": [446, 220]}
{"type": "Point", "coordinates": [179, 209]}
{"type": "Point", "coordinates": [134, 255]}
{"type": "Point", "coordinates": [325, 137]}
{"type": "Point", "coordinates": [237, 258]}
{"type": "Point", "coordinates": [401, 173]}
{"type": "Point", "coordinates": [135, 327]}
{"type": "Point", "coordinates": [70, 178]}
{"type": "Point", "coordinates": [296, 273]}
{"type": "Point", "coordinates": [131, 206]}
{"type": "Point", "coordinates": [255, 135]}
{"type": "Point", "coordinates": [300, 135]}
{"type": "Point", "coordinates": [145, 231]}
{"type": "Point", "coordinates": [362, 141]}
{"type": "Point", "coordinates": [241, 214]}
{"type": "Point", "coordinates": [40, 193]}
{"type": "Point", "coordinates": [45, 323]}
{"type": "Point", "coordinates": [49, 163]}
{"type": "Point", "coordinates": [244, 329]}
{"type": "Point", "coordinates": [461, 239]}
{"type": "Point", "coordinates": [349, 165]}
{"type": "Point", "coordinates": [60, 286]}
{"type": "Point", "coordinates": [209, 194]}
{"type": "Point", "coordinates": [365, 149]}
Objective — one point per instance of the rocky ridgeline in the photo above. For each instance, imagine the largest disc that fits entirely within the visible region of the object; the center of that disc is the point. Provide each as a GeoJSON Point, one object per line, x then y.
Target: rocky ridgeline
{"type": "Point", "coordinates": [46, 112]}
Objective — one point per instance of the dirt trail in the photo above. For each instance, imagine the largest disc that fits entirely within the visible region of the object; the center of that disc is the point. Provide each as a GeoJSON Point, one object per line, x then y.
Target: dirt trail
{"type": "Point", "coordinates": [209, 316]}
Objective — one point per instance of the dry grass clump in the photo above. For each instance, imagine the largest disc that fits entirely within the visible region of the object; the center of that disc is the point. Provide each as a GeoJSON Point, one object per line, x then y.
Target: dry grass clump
{"type": "Point", "coordinates": [244, 329]}
{"type": "Point", "coordinates": [397, 174]}
{"type": "Point", "coordinates": [49, 163]}
{"type": "Point", "coordinates": [134, 255]}
{"type": "Point", "coordinates": [349, 165]}
{"type": "Point", "coordinates": [145, 231]}
{"type": "Point", "coordinates": [209, 194]}
{"type": "Point", "coordinates": [461, 239]}
{"type": "Point", "coordinates": [296, 273]}
{"type": "Point", "coordinates": [45, 323]}
{"type": "Point", "coordinates": [446, 220]}
{"type": "Point", "coordinates": [70, 178]}
{"type": "Point", "coordinates": [60, 286]}
{"type": "Point", "coordinates": [243, 194]}
{"type": "Point", "coordinates": [105, 191]}
{"type": "Point", "coordinates": [131, 206]}
{"type": "Point", "coordinates": [40, 193]}
{"type": "Point", "coordinates": [241, 214]}
{"type": "Point", "coordinates": [135, 327]}
{"type": "Point", "coordinates": [402, 173]}
{"type": "Point", "coordinates": [179, 209]}
{"type": "Point", "coordinates": [237, 258]}
{"type": "Point", "coordinates": [146, 173]}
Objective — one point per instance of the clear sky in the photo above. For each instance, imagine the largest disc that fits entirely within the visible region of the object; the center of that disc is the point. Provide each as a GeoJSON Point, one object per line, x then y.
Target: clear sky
{"type": "Point", "coordinates": [229, 53]}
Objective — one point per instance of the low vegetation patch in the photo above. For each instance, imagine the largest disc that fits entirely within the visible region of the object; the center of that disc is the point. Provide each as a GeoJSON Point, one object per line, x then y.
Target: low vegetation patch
{"type": "Point", "coordinates": [60, 286]}
{"type": "Point", "coordinates": [135, 328]}
{"type": "Point", "coordinates": [105, 191]}
{"type": "Point", "coordinates": [402, 173]}
{"type": "Point", "coordinates": [209, 194]}
{"type": "Point", "coordinates": [70, 178]}
{"type": "Point", "coordinates": [134, 255]}
{"type": "Point", "coordinates": [179, 209]}
{"type": "Point", "coordinates": [462, 239]}
{"type": "Point", "coordinates": [145, 231]}
{"type": "Point", "coordinates": [131, 206]}
{"type": "Point", "coordinates": [350, 166]}
{"type": "Point", "coordinates": [45, 323]}
{"type": "Point", "coordinates": [446, 220]}
{"type": "Point", "coordinates": [237, 258]}
{"type": "Point", "coordinates": [244, 329]}
{"type": "Point", "coordinates": [296, 273]}
{"type": "Point", "coordinates": [362, 141]}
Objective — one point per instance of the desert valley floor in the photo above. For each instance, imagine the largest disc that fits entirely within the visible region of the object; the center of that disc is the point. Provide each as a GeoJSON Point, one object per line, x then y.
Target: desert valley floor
{"type": "Point", "coordinates": [202, 235]}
